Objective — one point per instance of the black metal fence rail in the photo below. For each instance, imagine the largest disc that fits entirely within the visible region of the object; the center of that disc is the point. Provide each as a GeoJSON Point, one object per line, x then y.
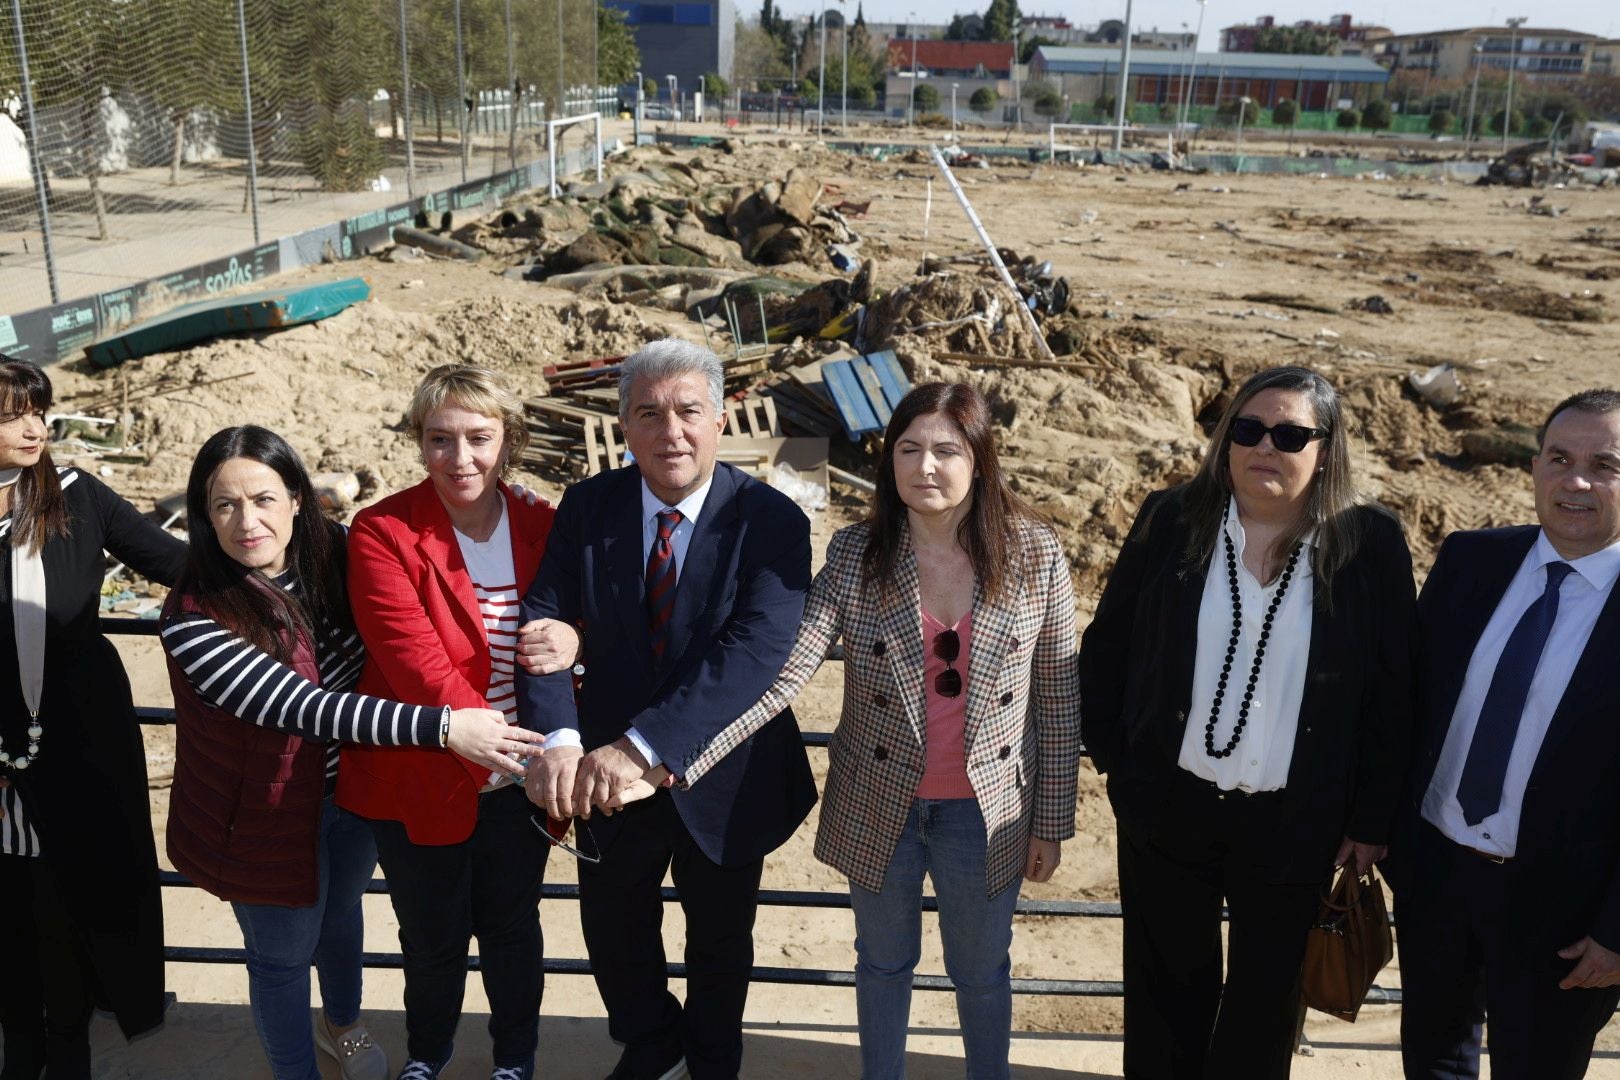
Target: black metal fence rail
{"type": "Point", "coordinates": [790, 898]}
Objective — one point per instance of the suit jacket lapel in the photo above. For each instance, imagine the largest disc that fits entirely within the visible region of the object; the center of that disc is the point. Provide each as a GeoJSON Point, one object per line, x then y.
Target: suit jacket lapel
{"type": "Point", "coordinates": [626, 567]}
{"type": "Point", "coordinates": [1476, 603]}
{"type": "Point", "coordinates": [900, 616]}
{"type": "Point", "coordinates": [710, 535]}
{"type": "Point", "coordinates": [527, 546]}
{"type": "Point", "coordinates": [987, 651]}
{"type": "Point", "coordinates": [436, 540]}
{"type": "Point", "coordinates": [1592, 680]}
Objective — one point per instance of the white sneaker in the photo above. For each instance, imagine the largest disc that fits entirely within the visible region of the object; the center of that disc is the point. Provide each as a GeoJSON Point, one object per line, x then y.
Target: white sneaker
{"type": "Point", "coordinates": [357, 1055]}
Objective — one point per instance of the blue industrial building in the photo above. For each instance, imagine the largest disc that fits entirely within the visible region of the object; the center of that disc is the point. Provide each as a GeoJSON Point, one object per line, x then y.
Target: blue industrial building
{"type": "Point", "coordinates": [686, 39]}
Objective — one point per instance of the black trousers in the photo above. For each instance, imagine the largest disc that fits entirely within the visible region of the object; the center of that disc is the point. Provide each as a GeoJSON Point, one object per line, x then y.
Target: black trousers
{"type": "Point", "coordinates": [487, 887]}
{"type": "Point", "coordinates": [622, 913]}
{"type": "Point", "coordinates": [45, 994]}
{"type": "Point", "coordinates": [1463, 961]}
{"type": "Point", "coordinates": [1179, 1022]}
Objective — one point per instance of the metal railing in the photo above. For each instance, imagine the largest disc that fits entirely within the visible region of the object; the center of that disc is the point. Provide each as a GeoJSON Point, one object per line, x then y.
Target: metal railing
{"type": "Point", "coordinates": [790, 898]}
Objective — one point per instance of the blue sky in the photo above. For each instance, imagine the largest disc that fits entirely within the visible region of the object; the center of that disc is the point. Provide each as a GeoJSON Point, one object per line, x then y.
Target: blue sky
{"type": "Point", "coordinates": [1593, 16]}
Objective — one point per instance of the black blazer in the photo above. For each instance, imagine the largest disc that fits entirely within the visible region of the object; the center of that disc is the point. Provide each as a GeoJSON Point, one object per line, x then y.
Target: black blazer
{"type": "Point", "coordinates": [737, 609]}
{"type": "Point", "coordinates": [1565, 874]}
{"type": "Point", "coordinates": [87, 793]}
{"type": "Point", "coordinates": [1352, 745]}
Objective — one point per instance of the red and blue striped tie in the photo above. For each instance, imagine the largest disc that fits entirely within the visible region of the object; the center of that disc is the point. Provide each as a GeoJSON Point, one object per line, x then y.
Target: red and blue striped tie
{"type": "Point", "coordinates": [661, 583]}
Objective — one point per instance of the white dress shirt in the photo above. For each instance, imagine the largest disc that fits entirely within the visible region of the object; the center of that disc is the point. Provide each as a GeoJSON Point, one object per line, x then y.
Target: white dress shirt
{"type": "Point", "coordinates": [1580, 600]}
{"type": "Point", "coordinates": [651, 505]}
{"type": "Point", "coordinates": [690, 507]}
{"type": "Point", "coordinates": [1262, 757]}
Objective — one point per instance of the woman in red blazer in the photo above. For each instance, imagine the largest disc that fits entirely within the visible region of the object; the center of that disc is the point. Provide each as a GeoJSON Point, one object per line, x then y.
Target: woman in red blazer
{"type": "Point", "coordinates": [436, 575]}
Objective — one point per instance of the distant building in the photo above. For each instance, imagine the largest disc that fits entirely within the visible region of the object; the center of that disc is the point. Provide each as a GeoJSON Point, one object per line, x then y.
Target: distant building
{"type": "Point", "coordinates": [687, 39]}
{"type": "Point", "coordinates": [1354, 37]}
{"type": "Point", "coordinates": [1316, 82]}
{"type": "Point", "coordinates": [1536, 55]}
{"type": "Point", "coordinates": [1603, 58]}
{"type": "Point", "coordinates": [966, 65]}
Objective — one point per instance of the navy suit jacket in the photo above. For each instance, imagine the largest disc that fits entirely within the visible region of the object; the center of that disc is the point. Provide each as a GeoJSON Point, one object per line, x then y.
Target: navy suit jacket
{"type": "Point", "coordinates": [738, 603]}
{"type": "Point", "coordinates": [1565, 875]}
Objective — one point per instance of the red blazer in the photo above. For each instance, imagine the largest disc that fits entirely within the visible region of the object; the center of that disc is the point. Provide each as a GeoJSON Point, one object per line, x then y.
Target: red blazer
{"type": "Point", "coordinates": [415, 608]}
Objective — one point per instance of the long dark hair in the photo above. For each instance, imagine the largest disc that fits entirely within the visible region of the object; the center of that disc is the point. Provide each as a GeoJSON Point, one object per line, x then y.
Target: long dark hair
{"type": "Point", "coordinates": [989, 531]}
{"type": "Point", "coordinates": [1328, 507]}
{"type": "Point", "coordinates": [237, 597]}
{"type": "Point", "coordinates": [38, 509]}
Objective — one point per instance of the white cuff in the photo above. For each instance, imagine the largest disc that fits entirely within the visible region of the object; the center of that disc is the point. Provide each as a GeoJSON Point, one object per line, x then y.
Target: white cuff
{"type": "Point", "coordinates": [653, 760]}
{"type": "Point", "coordinates": [564, 736]}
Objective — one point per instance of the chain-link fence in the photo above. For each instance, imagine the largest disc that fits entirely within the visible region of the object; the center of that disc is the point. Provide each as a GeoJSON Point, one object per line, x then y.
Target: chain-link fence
{"type": "Point", "coordinates": [137, 139]}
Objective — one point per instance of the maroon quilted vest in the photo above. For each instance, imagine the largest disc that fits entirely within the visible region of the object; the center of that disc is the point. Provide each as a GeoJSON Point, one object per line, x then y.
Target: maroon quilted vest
{"type": "Point", "coordinates": [245, 808]}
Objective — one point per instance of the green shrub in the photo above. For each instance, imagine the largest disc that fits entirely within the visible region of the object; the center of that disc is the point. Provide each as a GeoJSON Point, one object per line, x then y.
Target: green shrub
{"type": "Point", "coordinates": [1376, 116]}
{"type": "Point", "coordinates": [983, 100]}
{"type": "Point", "coordinates": [1284, 112]}
{"type": "Point", "coordinates": [1515, 125]}
{"type": "Point", "coordinates": [1348, 118]}
{"type": "Point", "coordinates": [1441, 122]}
{"type": "Point", "coordinates": [926, 98]}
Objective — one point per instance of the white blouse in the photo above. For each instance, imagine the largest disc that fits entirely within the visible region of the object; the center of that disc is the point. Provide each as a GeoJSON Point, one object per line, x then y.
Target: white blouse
{"type": "Point", "coordinates": [1261, 759]}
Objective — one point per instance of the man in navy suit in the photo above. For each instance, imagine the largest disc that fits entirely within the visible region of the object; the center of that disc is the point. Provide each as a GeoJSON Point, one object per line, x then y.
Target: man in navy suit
{"type": "Point", "coordinates": [1507, 867]}
{"type": "Point", "coordinates": [688, 581]}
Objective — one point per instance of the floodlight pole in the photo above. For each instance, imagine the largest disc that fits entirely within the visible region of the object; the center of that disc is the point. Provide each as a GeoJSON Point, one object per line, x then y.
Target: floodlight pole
{"type": "Point", "coordinates": [37, 166]}
{"type": "Point", "coordinates": [1192, 73]}
{"type": "Point", "coordinates": [1473, 93]}
{"type": "Point", "coordinates": [1124, 81]}
{"type": "Point", "coordinates": [1507, 110]}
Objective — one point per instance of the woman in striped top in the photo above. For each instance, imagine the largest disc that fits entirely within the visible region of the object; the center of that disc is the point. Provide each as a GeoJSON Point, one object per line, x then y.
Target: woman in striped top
{"type": "Point", "coordinates": [263, 659]}
{"type": "Point", "coordinates": [435, 576]}
{"type": "Point", "coordinates": [79, 898]}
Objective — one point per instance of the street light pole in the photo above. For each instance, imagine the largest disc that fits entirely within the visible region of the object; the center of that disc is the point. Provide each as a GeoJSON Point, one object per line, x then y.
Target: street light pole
{"type": "Point", "coordinates": [1473, 94]}
{"type": "Point", "coordinates": [821, 77]}
{"type": "Point", "coordinates": [953, 108]}
{"type": "Point", "coordinates": [1018, 98]}
{"type": "Point", "coordinates": [1243, 107]}
{"type": "Point", "coordinates": [1124, 82]}
{"type": "Point", "coordinates": [1192, 75]}
{"type": "Point", "coordinates": [911, 101]}
{"type": "Point", "coordinates": [1507, 111]}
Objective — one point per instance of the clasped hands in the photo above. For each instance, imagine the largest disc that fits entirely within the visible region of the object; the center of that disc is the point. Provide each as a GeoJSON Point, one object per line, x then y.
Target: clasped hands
{"type": "Point", "coordinates": [567, 782]}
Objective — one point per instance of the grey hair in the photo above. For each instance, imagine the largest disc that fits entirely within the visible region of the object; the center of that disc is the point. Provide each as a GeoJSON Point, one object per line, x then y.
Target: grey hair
{"type": "Point", "coordinates": [670, 359]}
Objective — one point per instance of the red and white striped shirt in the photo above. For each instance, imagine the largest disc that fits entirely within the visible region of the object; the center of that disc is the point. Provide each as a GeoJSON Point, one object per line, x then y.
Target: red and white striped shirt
{"type": "Point", "coordinates": [494, 582]}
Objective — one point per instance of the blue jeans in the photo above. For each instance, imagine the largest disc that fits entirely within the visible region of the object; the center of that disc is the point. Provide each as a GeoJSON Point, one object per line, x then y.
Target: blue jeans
{"type": "Point", "coordinates": [945, 838]}
{"type": "Point", "coordinates": [282, 942]}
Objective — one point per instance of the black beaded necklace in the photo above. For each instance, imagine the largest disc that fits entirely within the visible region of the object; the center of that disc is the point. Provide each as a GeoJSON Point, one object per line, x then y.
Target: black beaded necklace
{"type": "Point", "coordinates": [1231, 649]}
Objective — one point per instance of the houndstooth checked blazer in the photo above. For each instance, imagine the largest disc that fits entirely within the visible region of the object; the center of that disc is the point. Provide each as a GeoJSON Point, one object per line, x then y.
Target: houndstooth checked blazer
{"type": "Point", "coordinates": [1023, 736]}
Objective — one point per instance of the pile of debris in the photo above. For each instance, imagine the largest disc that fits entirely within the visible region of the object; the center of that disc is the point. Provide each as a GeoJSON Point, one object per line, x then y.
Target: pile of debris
{"type": "Point", "coordinates": [674, 214]}
{"type": "Point", "coordinates": [1530, 165]}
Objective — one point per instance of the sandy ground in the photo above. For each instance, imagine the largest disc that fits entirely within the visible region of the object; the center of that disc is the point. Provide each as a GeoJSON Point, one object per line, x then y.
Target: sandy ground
{"type": "Point", "coordinates": [1521, 303]}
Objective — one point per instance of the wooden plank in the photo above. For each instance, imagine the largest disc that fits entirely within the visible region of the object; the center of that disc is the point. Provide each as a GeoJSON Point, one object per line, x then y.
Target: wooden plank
{"type": "Point", "coordinates": [890, 375]}
{"type": "Point", "coordinates": [1018, 361]}
{"type": "Point", "coordinates": [854, 410]}
{"type": "Point", "coordinates": [875, 393]}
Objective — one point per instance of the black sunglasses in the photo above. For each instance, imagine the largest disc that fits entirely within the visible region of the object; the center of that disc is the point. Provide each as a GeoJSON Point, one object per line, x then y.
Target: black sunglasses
{"type": "Point", "coordinates": [947, 647]}
{"type": "Point", "coordinates": [1287, 438]}
{"type": "Point", "coordinates": [554, 829]}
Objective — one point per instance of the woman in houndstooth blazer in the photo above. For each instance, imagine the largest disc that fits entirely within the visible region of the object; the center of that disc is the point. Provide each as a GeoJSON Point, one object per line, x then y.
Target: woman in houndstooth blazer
{"type": "Point", "coordinates": [958, 747]}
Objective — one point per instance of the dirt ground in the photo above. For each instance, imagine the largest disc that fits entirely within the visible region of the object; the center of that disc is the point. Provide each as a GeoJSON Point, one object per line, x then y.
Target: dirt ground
{"type": "Point", "coordinates": [1176, 282]}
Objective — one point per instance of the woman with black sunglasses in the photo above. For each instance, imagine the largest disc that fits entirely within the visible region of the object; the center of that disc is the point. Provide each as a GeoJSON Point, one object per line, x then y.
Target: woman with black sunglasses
{"type": "Point", "coordinates": [1246, 685]}
{"type": "Point", "coordinates": [957, 752]}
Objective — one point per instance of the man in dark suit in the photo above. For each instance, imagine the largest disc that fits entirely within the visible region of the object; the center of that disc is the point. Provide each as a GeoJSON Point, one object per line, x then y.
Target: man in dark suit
{"type": "Point", "coordinates": [1506, 868]}
{"type": "Point", "coordinates": [688, 580]}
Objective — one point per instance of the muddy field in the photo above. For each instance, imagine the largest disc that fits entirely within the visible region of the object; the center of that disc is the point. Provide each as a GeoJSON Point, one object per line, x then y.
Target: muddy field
{"type": "Point", "coordinates": [1181, 285]}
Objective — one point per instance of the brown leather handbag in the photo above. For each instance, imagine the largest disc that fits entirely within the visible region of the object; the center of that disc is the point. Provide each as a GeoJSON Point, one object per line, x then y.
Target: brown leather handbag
{"type": "Point", "coordinates": [1348, 946]}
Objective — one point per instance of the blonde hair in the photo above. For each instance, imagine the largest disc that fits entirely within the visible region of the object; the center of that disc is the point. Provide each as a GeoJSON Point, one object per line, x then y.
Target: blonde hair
{"type": "Point", "coordinates": [479, 390]}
